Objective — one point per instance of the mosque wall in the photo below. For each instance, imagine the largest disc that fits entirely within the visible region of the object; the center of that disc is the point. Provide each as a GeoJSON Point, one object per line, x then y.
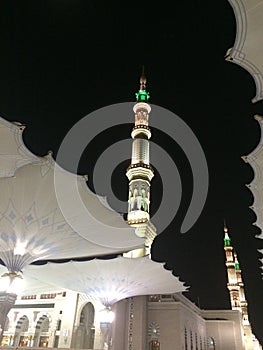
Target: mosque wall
{"type": "Point", "coordinates": [70, 320]}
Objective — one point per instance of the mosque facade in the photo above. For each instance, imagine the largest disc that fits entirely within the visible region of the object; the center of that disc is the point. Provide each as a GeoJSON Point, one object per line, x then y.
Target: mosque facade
{"type": "Point", "coordinates": [62, 318]}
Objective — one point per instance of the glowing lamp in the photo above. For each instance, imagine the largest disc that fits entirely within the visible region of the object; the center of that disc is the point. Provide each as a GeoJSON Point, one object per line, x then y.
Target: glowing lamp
{"type": "Point", "coordinates": [106, 315]}
{"type": "Point", "coordinates": [11, 282]}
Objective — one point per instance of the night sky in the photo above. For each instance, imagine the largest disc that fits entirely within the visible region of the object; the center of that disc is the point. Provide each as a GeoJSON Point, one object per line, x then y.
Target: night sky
{"type": "Point", "coordinates": [61, 60]}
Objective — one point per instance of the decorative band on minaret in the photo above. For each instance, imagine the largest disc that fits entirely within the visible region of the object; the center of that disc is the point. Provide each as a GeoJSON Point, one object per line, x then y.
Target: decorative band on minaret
{"type": "Point", "coordinates": [140, 172]}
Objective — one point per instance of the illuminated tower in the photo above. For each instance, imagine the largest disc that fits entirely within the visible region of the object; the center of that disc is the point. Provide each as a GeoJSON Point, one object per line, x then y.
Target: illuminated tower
{"type": "Point", "coordinates": [242, 298]}
{"type": "Point", "coordinates": [235, 286]}
{"type": "Point", "coordinates": [140, 173]}
{"type": "Point", "coordinates": [232, 285]}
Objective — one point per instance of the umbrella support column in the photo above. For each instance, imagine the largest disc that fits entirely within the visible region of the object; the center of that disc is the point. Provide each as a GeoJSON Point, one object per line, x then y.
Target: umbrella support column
{"type": "Point", "coordinates": [7, 301]}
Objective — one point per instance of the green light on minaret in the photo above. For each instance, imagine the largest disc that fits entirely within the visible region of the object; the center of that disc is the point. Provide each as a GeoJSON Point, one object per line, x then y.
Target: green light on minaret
{"type": "Point", "coordinates": [227, 242]}
{"type": "Point", "coordinates": [237, 267]}
{"type": "Point", "coordinates": [142, 96]}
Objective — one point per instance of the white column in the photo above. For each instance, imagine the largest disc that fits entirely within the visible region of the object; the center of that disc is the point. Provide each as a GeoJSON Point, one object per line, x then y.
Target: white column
{"type": "Point", "coordinates": [7, 300]}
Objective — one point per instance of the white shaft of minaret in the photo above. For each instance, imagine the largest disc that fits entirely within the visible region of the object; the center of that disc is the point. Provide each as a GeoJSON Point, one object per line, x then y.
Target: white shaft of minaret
{"type": "Point", "coordinates": [141, 134]}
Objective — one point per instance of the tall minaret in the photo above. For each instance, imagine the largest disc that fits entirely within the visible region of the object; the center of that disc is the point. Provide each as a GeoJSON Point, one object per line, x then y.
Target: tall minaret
{"type": "Point", "coordinates": [235, 286]}
{"type": "Point", "coordinates": [232, 285]}
{"type": "Point", "coordinates": [140, 173]}
{"type": "Point", "coordinates": [242, 298]}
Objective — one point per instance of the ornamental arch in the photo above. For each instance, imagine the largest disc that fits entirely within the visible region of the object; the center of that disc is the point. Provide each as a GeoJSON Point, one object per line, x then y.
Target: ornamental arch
{"type": "Point", "coordinates": [20, 337]}
{"type": "Point", "coordinates": [41, 336]}
{"type": "Point", "coordinates": [85, 331]}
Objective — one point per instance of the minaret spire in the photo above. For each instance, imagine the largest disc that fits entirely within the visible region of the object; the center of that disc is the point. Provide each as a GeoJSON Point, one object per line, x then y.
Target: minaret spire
{"type": "Point", "coordinates": [143, 80]}
{"type": "Point", "coordinates": [140, 172]}
{"type": "Point", "coordinates": [227, 240]}
{"type": "Point", "coordinates": [142, 95]}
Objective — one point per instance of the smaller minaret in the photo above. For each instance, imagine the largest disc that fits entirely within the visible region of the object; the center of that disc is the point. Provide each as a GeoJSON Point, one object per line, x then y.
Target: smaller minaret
{"type": "Point", "coordinates": [140, 173]}
{"type": "Point", "coordinates": [242, 298]}
{"type": "Point", "coordinates": [235, 286]}
{"type": "Point", "coordinates": [232, 285]}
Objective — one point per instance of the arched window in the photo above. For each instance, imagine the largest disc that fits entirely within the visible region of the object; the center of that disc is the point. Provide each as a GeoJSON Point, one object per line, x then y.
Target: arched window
{"type": "Point", "coordinates": [143, 203]}
{"type": "Point", "coordinates": [86, 330]}
{"type": "Point", "coordinates": [41, 337]}
{"type": "Point", "coordinates": [21, 327]}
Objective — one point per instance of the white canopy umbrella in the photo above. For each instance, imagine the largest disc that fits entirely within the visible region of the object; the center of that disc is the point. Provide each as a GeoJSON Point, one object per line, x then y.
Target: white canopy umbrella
{"type": "Point", "coordinates": [13, 152]}
{"type": "Point", "coordinates": [30, 285]}
{"type": "Point", "coordinates": [108, 281]}
{"type": "Point", "coordinates": [32, 226]}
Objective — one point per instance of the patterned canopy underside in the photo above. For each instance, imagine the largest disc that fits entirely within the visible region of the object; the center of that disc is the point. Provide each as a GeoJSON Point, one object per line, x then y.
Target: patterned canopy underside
{"type": "Point", "coordinates": [108, 281]}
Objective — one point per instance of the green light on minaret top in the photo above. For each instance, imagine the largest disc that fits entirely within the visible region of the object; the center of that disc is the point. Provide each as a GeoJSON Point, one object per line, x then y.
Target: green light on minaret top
{"type": "Point", "coordinates": [237, 267]}
{"type": "Point", "coordinates": [142, 95]}
{"type": "Point", "coordinates": [227, 242]}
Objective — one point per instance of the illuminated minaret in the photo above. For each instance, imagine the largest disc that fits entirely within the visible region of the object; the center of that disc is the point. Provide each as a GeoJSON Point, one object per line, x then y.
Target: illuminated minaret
{"type": "Point", "coordinates": [235, 286]}
{"type": "Point", "coordinates": [242, 298]}
{"type": "Point", "coordinates": [232, 285]}
{"type": "Point", "coordinates": [140, 173]}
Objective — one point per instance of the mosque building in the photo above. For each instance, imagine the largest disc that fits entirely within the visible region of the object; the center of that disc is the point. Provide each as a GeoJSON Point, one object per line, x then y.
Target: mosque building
{"type": "Point", "coordinates": [113, 304]}
{"type": "Point", "coordinates": [117, 304]}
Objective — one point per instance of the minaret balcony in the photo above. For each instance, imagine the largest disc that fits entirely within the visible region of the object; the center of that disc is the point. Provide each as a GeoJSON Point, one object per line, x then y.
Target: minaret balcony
{"type": "Point", "coordinates": [138, 217]}
{"type": "Point", "coordinates": [140, 171]}
{"type": "Point", "coordinates": [141, 129]}
{"type": "Point", "coordinates": [233, 287]}
{"type": "Point", "coordinates": [141, 105]}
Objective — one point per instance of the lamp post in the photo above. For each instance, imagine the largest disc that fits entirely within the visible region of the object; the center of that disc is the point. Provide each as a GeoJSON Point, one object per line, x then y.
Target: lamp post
{"type": "Point", "coordinates": [106, 319]}
{"type": "Point", "coordinates": [9, 285]}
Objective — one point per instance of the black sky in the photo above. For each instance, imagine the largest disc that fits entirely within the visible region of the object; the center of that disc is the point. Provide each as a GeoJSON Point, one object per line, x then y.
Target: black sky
{"type": "Point", "coordinates": [61, 60]}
